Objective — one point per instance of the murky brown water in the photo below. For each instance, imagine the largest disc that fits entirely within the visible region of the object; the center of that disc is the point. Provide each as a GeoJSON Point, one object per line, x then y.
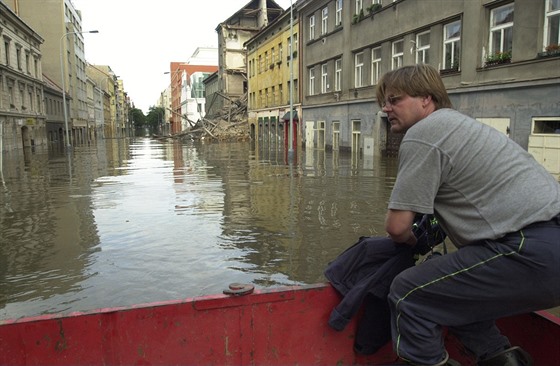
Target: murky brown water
{"type": "Point", "coordinates": [123, 222]}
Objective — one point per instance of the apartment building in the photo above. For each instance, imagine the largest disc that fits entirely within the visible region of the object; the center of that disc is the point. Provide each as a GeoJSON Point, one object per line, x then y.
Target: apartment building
{"type": "Point", "coordinates": [61, 30]}
{"type": "Point", "coordinates": [499, 60]}
{"type": "Point", "coordinates": [232, 35]}
{"type": "Point", "coordinates": [22, 111]}
{"type": "Point", "coordinates": [106, 81]}
{"type": "Point", "coordinates": [52, 94]}
{"type": "Point", "coordinates": [273, 75]}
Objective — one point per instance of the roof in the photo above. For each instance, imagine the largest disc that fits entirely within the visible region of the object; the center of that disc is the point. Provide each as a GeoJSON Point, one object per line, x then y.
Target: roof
{"type": "Point", "coordinates": [251, 9]}
{"type": "Point", "coordinates": [51, 84]}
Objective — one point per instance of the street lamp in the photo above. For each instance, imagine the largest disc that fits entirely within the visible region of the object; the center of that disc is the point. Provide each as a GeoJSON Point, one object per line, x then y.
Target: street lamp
{"type": "Point", "coordinates": [68, 145]}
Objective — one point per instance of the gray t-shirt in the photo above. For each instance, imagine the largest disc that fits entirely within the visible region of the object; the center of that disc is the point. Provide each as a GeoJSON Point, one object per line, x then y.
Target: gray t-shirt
{"type": "Point", "coordinates": [478, 182]}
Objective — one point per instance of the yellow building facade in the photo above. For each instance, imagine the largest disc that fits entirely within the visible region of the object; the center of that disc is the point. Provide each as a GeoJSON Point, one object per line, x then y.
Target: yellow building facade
{"type": "Point", "coordinates": [272, 64]}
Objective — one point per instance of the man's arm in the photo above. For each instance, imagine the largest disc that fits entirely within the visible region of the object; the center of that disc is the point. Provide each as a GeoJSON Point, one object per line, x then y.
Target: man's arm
{"type": "Point", "coordinates": [398, 225]}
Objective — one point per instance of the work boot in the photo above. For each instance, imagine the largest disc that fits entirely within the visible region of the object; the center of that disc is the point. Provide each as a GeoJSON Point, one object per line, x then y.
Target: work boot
{"type": "Point", "coordinates": [513, 356]}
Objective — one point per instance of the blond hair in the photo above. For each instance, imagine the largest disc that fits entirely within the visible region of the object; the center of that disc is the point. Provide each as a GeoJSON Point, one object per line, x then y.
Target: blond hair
{"type": "Point", "coordinates": [419, 80]}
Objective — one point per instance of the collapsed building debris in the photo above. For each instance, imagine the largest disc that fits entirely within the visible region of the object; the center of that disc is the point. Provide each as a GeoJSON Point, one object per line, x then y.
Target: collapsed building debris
{"type": "Point", "coordinates": [228, 124]}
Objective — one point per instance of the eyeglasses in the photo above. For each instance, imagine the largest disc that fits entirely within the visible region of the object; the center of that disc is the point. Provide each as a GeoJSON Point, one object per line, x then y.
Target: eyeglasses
{"type": "Point", "coordinates": [392, 100]}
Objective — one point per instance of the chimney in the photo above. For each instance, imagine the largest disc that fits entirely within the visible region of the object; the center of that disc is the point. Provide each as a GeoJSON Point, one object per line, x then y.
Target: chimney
{"type": "Point", "coordinates": [263, 16]}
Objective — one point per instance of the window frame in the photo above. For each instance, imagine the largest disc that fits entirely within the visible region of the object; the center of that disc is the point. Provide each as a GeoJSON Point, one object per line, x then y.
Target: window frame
{"type": "Point", "coordinates": [312, 27]}
{"type": "Point", "coordinates": [549, 13]}
{"type": "Point", "coordinates": [359, 69]}
{"type": "Point", "coordinates": [338, 13]}
{"type": "Point", "coordinates": [422, 51]}
{"type": "Point", "coordinates": [455, 43]}
{"type": "Point", "coordinates": [324, 20]}
{"type": "Point", "coordinates": [359, 4]}
{"type": "Point", "coordinates": [397, 55]}
{"type": "Point", "coordinates": [324, 78]}
{"type": "Point", "coordinates": [502, 29]}
{"type": "Point", "coordinates": [375, 65]}
{"type": "Point", "coordinates": [311, 90]}
{"type": "Point", "coordinates": [338, 74]}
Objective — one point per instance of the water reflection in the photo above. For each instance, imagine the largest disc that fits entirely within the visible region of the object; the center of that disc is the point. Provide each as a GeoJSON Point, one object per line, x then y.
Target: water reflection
{"type": "Point", "coordinates": [119, 223]}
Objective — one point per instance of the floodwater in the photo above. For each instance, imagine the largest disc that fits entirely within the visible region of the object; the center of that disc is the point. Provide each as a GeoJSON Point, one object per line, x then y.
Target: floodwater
{"type": "Point", "coordinates": [123, 222]}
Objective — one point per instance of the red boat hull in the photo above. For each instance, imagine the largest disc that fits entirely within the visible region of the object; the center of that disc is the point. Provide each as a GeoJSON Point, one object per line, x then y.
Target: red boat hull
{"type": "Point", "coordinates": [283, 326]}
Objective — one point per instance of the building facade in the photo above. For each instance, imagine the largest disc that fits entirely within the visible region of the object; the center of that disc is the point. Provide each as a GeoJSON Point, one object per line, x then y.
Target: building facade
{"type": "Point", "coordinates": [63, 54]}
{"type": "Point", "coordinates": [54, 113]}
{"type": "Point", "coordinates": [273, 76]}
{"type": "Point", "coordinates": [106, 81]}
{"type": "Point", "coordinates": [232, 35]}
{"type": "Point", "coordinates": [22, 110]}
{"type": "Point", "coordinates": [497, 60]}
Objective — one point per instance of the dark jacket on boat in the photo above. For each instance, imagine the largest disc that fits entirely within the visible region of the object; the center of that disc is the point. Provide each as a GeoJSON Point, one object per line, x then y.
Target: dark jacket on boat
{"type": "Point", "coordinates": [363, 274]}
{"type": "Point", "coordinates": [367, 267]}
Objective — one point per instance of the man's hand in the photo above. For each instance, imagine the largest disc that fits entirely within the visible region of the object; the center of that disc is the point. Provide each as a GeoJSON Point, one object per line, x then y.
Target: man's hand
{"type": "Point", "coordinates": [398, 225]}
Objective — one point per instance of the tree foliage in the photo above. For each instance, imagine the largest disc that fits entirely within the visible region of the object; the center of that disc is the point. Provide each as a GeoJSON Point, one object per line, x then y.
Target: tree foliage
{"type": "Point", "coordinates": [138, 117]}
{"type": "Point", "coordinates": [155, 119]}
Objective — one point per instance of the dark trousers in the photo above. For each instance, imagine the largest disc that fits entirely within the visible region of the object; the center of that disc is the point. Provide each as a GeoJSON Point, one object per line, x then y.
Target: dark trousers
{"type": "Point", "coordinates": [468, 289]}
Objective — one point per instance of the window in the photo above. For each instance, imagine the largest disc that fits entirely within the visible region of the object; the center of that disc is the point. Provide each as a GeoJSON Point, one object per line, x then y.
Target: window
{"type": "Point", "coordinates": [423, 48]}
{"type": "Point", "coordinates": [18, 57]}
{"type": "Point", "coordinates": [27, 69]}
{"type": "Point", "coordinates": [336, 135]}
{"type": "Point", "coordinates": [452, 45]}
{"type": "Point", "coordinates": [359, 6]}
{"type": "Point", "coordinates": [280, 52]}
{"type": "Point", "coordinates": [295, 47]}
{"type": "Point", "coordinates": [359, 70]}
{"type": "Point", "coordinates": [259, 68]}
{"type": "Point", "coordinates": [375, 65]}
{"type": "Point", "coordinates": [338, 15]}
{"type": "Point", "coordinates": [324, 78]}
{"type": "Point", "coordinates": [7, 52]}
{"type": "Point", "coordinates": [338, 74]}
{"type": "Point", "coordinates": [11, 95]}
{"type": "Point", "coordinates": [552, 23]}
{"type": "Point", "coordinates": [324, 20]}
{"type": "Point", "coordinates": [501, 29]}
{"type": "Point", "coordinates": [266, 97]}
{"type": "Point", "coordinates": [312, 27]}
{"type": "Point", "coordinates": [266, 60]}
{"type": "Point", "coordinates": [398, 52]}
{"type": "Point", "coordinates": [311, 81]}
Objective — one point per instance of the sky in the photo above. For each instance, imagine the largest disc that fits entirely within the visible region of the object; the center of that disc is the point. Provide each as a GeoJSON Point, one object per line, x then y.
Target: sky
{"type": "Point", "coordinates": [139, 39]}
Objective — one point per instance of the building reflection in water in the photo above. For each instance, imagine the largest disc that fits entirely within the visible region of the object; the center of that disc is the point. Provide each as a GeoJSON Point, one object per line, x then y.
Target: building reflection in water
{"type": "Point", "coordinates": [120, 222]}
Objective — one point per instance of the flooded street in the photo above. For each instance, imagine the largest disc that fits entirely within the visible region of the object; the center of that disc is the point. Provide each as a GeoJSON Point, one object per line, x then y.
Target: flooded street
{"type": "Point", "coordinates": [125, 222]}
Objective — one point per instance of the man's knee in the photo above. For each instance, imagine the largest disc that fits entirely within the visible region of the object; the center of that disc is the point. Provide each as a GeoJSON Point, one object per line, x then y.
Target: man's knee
{"type": "Point", "coordinates": [399, 287]}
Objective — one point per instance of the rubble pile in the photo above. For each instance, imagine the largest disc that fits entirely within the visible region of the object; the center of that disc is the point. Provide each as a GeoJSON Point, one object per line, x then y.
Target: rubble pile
{"type": "Point", "coordinates": [229, 124]}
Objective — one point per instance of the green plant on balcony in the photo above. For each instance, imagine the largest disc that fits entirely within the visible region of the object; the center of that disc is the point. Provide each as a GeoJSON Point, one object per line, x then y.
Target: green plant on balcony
{"type": "Point", "coordinates": [358, 17]}
{"type": "Point", "coordinates": [498, 58]}
{"type": "Point", "coordinates": [373, 8]}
